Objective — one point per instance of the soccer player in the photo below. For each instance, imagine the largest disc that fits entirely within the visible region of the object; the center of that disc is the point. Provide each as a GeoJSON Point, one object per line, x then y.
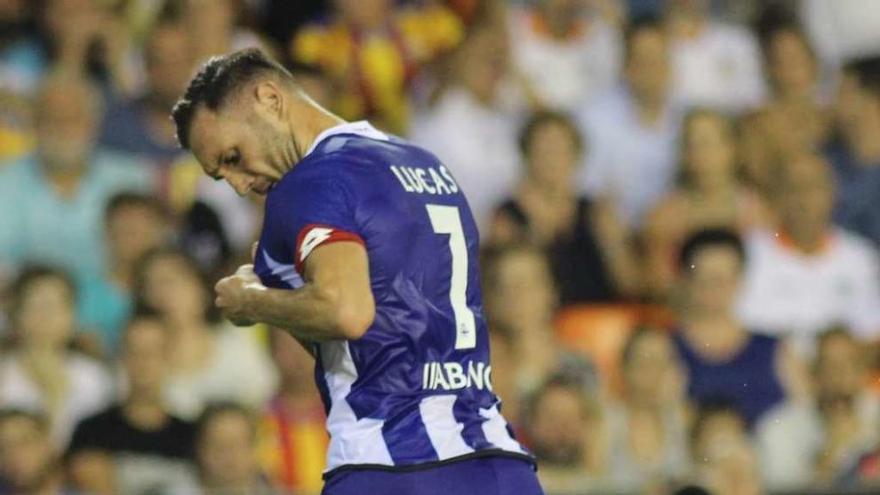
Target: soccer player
{"type": "Point", "coordinates": [368, 255]}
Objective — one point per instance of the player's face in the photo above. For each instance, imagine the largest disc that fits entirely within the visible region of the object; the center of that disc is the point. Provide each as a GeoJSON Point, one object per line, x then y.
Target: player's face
{"type": "Point", "coordinates": [241, 146]}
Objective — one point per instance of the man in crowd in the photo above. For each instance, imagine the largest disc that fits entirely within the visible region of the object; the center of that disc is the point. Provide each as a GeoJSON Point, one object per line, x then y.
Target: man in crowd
{"type": "Point", "coordinates": [136, 446]}
{"type": "Point", "coordinates": [632, 131]}
{"type": "Point", "coordinates": [226, 452]}
{"type": "Point", "coordinates": [809, 274]}
{"type": "Point", "coordinates": [134, 223]}
{"type": "Point", "coordinates": [58, 196]}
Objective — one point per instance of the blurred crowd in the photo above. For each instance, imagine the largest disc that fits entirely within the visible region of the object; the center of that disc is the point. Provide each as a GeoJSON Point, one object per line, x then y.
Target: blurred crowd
{"type": "Point", "coordinates": [679, 206]}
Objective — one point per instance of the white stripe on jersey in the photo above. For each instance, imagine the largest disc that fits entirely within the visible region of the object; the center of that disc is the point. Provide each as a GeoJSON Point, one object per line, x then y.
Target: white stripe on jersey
{"type": "Point", "coordinates": [443, 430]}
{"type": "Point", "coordinates": [495, 429]}
{"type": "Point", "coordinates": [353, 441]}
{"type": "Point", "coordinates": [286, 273]}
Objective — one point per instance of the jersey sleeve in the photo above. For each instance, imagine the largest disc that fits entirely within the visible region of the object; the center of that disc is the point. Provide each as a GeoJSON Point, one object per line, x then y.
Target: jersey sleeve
{"type": "Point", "coordinates": [312, 213]}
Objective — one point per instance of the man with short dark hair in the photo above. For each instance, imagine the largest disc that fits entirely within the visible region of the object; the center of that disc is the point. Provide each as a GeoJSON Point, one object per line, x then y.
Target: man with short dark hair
{"type": "Point", "coordinates": [368, 255]}
{"type": "Point", "coordinates": [136, 446]}
{"type": "Point", "coordinates": [134, 223]}
{"type": "Point", "coordinates": [632, 131]}
{"type": "Point", "coordinates": [809, 274]}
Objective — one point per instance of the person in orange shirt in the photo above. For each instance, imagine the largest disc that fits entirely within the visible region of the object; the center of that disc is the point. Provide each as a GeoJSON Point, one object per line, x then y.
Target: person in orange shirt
{"type": "Point", "coordinates": [373, 51]}
{"type": "Point", "coordinates": [292, 438]}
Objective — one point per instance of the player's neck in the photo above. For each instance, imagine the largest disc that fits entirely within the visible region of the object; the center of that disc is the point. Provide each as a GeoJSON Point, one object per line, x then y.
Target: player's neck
{"type": "Point", "coordinates": [307, 122]}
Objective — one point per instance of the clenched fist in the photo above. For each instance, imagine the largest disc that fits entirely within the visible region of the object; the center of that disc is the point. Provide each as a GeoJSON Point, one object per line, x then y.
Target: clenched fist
{"type": "Point", "coordinates": [234, 295]}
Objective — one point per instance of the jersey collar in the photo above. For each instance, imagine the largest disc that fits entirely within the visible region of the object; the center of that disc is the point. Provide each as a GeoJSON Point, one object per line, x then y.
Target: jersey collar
{"type": "Point", "coordinates": [361, 128]}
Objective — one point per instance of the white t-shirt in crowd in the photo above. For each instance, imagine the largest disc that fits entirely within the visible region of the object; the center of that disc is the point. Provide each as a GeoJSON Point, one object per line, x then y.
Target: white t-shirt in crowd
{"type": "Point", "coordinates": [720, 68]}
{"type": "Point", "coordinates": [239, 370]}
{"type": "Point", "coordinates": [790, 438]}
{"type": "Point", "coordinates": [842, 29]}
{"type": "Point", "coordinates": [788, 292]}
{"type": "Point", "coordinates": [632, 164]}
{"type": "Point", "coordinates": [90, 390]}
{"type": "Point", "coordinates": [477, 143]}
{"type": "Point", "coordinates": [566, 74]}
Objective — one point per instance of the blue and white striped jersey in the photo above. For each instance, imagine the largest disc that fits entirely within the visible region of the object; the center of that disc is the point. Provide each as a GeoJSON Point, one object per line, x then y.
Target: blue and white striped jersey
{"type": "Point", "coordinates": [416, 388]}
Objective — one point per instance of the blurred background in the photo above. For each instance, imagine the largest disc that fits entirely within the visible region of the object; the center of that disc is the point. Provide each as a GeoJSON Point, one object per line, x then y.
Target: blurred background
{"type": "Point", "coordinates": [679, 203]}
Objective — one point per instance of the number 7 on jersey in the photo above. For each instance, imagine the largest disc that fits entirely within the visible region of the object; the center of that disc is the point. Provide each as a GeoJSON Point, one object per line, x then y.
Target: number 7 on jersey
{"type": "Point", "coordinates": [447, 220]}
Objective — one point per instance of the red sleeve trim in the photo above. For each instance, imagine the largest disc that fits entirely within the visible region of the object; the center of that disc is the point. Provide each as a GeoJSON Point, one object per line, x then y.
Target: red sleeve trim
{"type": "Point", "coordinates": [313, 235]}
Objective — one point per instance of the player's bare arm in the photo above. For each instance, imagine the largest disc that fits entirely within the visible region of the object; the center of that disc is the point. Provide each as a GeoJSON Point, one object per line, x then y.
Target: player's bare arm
{"type": "Point", "coordinates": [335, 303]}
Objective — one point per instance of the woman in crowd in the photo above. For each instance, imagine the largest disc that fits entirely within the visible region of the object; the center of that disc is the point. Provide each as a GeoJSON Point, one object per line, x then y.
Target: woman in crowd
{"type": "Point", "coordinates": [646, 427]}
{"type": "Point", "coordinates": [590, 255]}
{"type": "Point", "coordinates": [724, 361]}
{"type": "Point", "coordinates": [521, 301]}
{"type": "Point", "coordinates": [210, 360]}
{"type": "Point", "coordinates": [709, 194]}
{"type": "Point", "coordinates": [40, 371]}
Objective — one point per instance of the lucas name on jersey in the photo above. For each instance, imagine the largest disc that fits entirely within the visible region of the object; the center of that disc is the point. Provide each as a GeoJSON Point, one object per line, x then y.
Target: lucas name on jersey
{"type": "Point", "coordinates": [425, 180]}
{"type": "Point", "coordinates": [453, 376]}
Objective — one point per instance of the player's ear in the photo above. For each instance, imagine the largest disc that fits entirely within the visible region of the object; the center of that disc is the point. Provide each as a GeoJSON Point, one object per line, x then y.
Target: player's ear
{"type": "Point", "coordinates": [268, 98]}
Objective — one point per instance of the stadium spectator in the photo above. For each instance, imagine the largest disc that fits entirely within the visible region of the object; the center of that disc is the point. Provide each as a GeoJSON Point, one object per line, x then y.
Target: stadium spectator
{"type": "Point", "coordinates": [632, 130]}
{"type": "Point", "coordinates": [21, 67]}
{"type": "Point", "coordinates": [58, 195]}
{"type": "Point", "coordinates": [520, 300]}
{"type": "Point", "coordinates": [855, 155]}
{"type": "Point", "coordinates": [472, 127]}
{"type": "Point", "coordinates": [708, 194]}
{"type": "Point", "coordinates": [88, 38]}
{"type": "Point", "coordinates": [646, 428]}
{"type": "Point", "coordinates": [217, 26]}
{"type": "Point", "coordinates": [715, 65]}
{"type": "Point", "coordinates": [589, 250]}
{"type": "Point", "coordinates": [134, 223]}
{"type": "Point", "coordinates": [724, 360]}
{"type": "Point", "coordinates": [796, 118]}
{"type": "Point", "coordinates": [816, 442]}
{"type": "Point", "coordinates": [725, 461]}
{"type": "Point", "coordinates": [373, 49]}
{"type": "Point", "coordinates": [136, 446]}
{"type": "Point", "coordinates": [29, 462]}
{"type": "Point", "coordinates": [225, 452]}
{"type": "Point", "coordinates": [563, 428]}
{"type": "Point", "coordinates": [293, 439]}
{"type": "Point", "coordinates": [567, 50]}
{"type": "Point", "coordinates": [208, 360]}
{"type": "Point", "coordinates": [809, 275]}
{"type": "Point", "coordinates": [40, 372]}
{"type": "Point", "coordinates": [843, 30]}
{"type": "Point", "coordinates": [140, 125]}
